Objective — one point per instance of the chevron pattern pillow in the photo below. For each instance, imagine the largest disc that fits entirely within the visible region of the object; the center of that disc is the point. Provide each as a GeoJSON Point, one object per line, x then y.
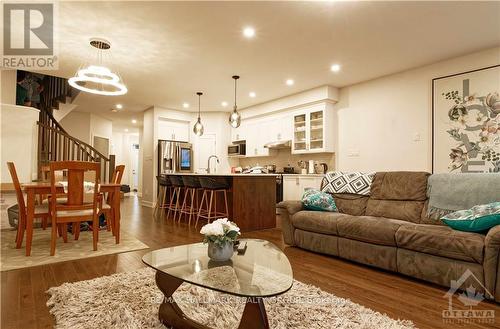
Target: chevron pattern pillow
{"type": "Point", "coordinates": [347, 182]}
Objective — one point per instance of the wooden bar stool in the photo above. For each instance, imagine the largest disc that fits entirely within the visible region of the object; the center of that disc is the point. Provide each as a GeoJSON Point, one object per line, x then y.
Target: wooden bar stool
{"type": "Point", "coordinates": [192, 187]}
{"type": "Point", "coordinates": [211, 187]}
{"type": "Point", "coordinates": [165, 190]}
{"type": "Point", "coordinates": [175, 198]}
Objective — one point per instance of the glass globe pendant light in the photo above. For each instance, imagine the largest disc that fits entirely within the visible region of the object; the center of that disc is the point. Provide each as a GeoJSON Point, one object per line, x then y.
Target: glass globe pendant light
{"type": "Point", "coordinates": [235, 117]}
{"type": "Point", "coordinates": [198, 126]}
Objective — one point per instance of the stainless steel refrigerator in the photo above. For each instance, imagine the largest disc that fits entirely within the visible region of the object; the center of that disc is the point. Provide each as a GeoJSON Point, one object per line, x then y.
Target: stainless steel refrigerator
{"type": "Point", "coordinates": [174, 157]}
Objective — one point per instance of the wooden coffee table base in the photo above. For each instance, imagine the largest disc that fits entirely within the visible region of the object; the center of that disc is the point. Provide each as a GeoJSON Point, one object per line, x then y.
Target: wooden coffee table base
{"type": "Point", "coordinates": [171, 315]}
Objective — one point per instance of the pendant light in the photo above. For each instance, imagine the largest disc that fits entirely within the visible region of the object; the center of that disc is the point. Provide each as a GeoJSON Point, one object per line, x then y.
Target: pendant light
{"type": "Point", "coordinates": [198, 127]}
{"type": "Point", "coordinates": [235, 117]}
{"type": "Point", "coordinates": [96, 78]}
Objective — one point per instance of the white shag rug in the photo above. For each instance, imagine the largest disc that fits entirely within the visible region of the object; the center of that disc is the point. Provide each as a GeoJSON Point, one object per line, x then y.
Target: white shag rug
{"type": "Point", "coordinates": [131, 300]}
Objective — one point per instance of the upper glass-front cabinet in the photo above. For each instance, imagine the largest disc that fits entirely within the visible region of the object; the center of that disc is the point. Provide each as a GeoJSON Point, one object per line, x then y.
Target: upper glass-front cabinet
{"type": "Point", "coordinates": [313, 130]}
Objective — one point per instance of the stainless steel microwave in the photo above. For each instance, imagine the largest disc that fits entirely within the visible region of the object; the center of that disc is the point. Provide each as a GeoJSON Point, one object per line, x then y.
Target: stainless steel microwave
{"type": "Point", "coordinates": [236, 150]}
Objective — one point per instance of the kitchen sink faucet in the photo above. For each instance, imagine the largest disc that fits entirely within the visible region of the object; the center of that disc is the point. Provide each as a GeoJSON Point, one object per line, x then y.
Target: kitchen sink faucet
{"type": "Point", "coordinates": [208, 165]}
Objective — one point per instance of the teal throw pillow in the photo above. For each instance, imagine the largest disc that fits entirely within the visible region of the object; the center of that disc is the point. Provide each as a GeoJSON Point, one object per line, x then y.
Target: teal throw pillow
{"type": "Point", "coordinates": [317, 200]}
{"type": "Point", "coordinates": [476, 219]}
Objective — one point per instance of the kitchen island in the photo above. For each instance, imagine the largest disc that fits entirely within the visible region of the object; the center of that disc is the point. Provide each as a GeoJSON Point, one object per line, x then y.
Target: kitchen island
{"type": "Point", "coordinates": [251, 199]}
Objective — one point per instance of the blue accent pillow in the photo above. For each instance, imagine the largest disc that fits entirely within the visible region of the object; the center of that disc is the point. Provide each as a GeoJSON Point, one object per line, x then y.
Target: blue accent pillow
{"type": "Point", "coordinates": [319, 201]}
{"type": "Point", "coordinates": [476, 219]}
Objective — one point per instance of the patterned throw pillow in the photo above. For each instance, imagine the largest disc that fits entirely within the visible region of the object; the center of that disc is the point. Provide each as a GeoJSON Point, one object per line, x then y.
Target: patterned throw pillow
{"type": "Point", "coordinates": [476, 219]}
{"type": "Point", "coordinates": [347, 182]}
{"type": "Point", "coordinates": [317, 200]}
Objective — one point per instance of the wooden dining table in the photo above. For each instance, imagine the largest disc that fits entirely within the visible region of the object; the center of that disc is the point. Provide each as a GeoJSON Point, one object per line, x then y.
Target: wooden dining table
{"type": "Point", "coordinates": [35, 189]}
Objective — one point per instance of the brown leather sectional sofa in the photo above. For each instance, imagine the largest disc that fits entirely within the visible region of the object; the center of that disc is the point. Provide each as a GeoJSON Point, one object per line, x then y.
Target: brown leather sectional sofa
{"type": "Point", "coordinates": [390, 229]}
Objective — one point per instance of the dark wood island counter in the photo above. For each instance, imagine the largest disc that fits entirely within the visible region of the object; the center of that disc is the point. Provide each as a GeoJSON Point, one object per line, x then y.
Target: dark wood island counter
{"type": "Point", "coordinates": [251, 200]}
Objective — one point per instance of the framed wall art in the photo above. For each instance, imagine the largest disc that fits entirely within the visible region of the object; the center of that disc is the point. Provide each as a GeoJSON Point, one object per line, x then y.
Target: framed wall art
{"type": "Point", "coordinates": [466, 122]}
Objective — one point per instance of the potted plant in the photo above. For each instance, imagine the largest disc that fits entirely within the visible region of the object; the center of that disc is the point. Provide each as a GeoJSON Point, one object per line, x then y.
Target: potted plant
{"type": "Point", "coordinates": [220, 236]}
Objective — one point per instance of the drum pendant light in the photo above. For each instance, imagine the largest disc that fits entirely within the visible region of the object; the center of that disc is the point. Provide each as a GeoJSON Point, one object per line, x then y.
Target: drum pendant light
{"type": "Point", "coordinates": [198, 126]}
{"type": "Point", "coordinates": [235, 117]}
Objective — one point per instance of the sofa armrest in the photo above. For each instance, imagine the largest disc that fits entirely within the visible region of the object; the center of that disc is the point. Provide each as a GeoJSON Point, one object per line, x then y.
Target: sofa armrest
{"type": "Point", "coordinates": [286, 210]}
{"type": "Point", "coordinates": [491, 264]}
{"type": "Point", "coordinates": [292, 207]}
{"type": "Point", "coordinates": [493, 237]}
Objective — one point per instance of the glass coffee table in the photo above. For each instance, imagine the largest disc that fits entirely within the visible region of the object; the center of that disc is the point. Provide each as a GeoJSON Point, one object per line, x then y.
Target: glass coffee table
{"type": "Point", "coordinates": [262, 271]}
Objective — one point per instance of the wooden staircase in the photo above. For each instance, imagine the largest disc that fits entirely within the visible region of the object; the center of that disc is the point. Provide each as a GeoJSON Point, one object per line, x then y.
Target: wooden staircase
{"type": "Point", "coordinates": [54, 143]}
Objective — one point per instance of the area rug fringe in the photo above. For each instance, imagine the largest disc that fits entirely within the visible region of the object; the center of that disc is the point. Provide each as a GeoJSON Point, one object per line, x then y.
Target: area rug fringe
{"type": "Point", "coordinates": [130, 300]}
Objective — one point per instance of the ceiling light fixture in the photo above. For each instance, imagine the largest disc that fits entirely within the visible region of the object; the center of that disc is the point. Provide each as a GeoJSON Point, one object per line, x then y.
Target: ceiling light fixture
{"type": "Point", "coordinates": [185, 105]}
{"type": "Point", "coordinates": [134, 121]}
{"type": "Point", "coordinates": [249, 32]}
{"type": "Point", "coordinates": [252, 94]}
{"type": "Point", "coordinates": [198, 126]}
{"type": "Point", "coordinates": [98, 79]}
{"type": "Point", "coordinates": [119, 106]}
{"type": "Point", "coordinates": [224, 104]}
{"type": "Point", "coordinates": [290, 82]}
{"type": "Point", "coordinates": [335, 68]}
{"type": "Point", "coordinates": [235, 117]}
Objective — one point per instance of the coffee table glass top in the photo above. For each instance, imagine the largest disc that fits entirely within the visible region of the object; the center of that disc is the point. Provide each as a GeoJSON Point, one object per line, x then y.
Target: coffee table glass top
{"type": "Point", "coordinates": [263, 271]}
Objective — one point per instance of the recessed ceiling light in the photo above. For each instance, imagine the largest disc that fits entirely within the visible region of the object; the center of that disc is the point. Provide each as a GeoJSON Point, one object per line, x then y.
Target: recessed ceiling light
{"type": "Point", "coordinates": [126, 130]}
{"type": "Point", "coordinates": [290, 82]}
{"type": "Point", "coordinates": [185, 105]}
{"type": "Point", "coordinates": [119, 106]}
{"type": "Point", "coordinates": [335, 68]}
{"type": "Point", "coordinates": [252, 94]}
{"type": "Point", "coordinates": [249, 32]}
{"type": "Point", "coordinates": [224, 104]}
{"type": "Point", "coordinates": [134, 121]}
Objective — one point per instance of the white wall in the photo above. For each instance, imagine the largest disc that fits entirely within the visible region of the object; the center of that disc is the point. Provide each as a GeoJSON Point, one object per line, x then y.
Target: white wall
{"type": "Point", "coordinates": [100, 127]}
{"type": "Point", "coordinates": [77, 124]}
{"type": "Point", "coordinates": [148, 164]}
{"type": "Point", "coordinates": [8, 84]}
{"type": "Point", "coordinates": [379, 119]}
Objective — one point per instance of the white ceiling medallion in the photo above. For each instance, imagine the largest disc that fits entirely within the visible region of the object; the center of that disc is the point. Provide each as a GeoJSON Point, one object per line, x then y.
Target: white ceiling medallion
{"type": "Point", "coordinates": [98, 79]}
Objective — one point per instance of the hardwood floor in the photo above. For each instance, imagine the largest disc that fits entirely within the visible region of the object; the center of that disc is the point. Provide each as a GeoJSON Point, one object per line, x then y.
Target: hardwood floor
{"type": "Point", "coordinates": [23, 295]}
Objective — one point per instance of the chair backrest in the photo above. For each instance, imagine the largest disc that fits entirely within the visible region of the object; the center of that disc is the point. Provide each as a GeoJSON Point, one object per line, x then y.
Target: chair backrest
{"type": "Point", "coordinates": [76, 171]}
{"type": "Point", "coordinates": [17, 187]}
{"type": "Point", "coordinates": [118, 174]}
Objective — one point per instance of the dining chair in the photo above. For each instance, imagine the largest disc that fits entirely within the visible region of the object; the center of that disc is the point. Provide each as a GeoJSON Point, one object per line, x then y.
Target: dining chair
{"type": "Point", "coordinates": [41, 211]}
{"type": "Point", "coordinates": [77, 209]}
{"type": "Point", "coordinates": [105, 207]}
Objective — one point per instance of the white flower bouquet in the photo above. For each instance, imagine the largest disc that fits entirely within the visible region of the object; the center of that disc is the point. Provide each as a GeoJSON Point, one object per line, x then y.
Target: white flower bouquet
{"type": "Point", "coordinates": [220, 232]}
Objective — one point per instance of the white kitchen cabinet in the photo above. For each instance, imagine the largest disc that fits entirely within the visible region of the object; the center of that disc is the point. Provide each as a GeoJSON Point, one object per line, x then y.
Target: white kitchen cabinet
{"type": "Point", "coordinates": [313, 129]}
{"type": "Point", "coordinates": [173, 130]}
{"type": "Point", "coordinates": [259, 133]}
{"type": "Point", "coordinates": [240, 133]}
{"type": "Point", "coordinates": [294, 186]}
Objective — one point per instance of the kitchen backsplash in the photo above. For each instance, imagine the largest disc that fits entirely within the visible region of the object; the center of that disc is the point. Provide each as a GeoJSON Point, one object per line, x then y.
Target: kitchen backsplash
{"type": "Point", "coordinates": [283, 158]}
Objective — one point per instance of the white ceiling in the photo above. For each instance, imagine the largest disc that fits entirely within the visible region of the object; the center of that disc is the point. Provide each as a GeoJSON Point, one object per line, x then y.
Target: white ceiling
{"type": "Point", "coordinates": [167, 51]}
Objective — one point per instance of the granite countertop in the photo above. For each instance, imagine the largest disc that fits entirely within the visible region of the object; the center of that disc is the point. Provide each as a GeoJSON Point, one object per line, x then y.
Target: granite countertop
{"type": "Point", "coordinates": [246, 175]}
{"type": "Point", "coordinates": [218, 174]}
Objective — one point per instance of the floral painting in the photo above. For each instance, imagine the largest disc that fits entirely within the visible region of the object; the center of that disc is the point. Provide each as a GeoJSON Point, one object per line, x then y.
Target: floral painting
{"type": "Point", "coordinates": [466, 122]}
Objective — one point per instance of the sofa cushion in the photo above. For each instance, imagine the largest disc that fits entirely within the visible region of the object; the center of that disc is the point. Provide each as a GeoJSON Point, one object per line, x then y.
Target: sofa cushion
{"type": "Point", "coordinates": [441, 241]}
{"type": "Point", "coordinates": [317, 221]}
{"type": "Point", "coordinates": [400, 185]}
{"type": "Point", "coordinates": [377, 230]}
{"type": "Point", "coordinates": [409, 211]}
{"type": "Point", "coordinates": [400, 195]}
{"type": "Point", "coordinates": [352, 204]}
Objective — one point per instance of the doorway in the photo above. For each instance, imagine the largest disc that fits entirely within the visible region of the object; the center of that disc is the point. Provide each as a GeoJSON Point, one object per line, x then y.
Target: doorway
{"type": "Point", "coordinates": [101, 144]}
{"type": "Point", "coordinates": [134, 167]}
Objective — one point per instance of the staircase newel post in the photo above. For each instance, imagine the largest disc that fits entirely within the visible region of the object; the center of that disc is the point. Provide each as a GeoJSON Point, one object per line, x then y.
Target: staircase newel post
{"type": "Point", "coordinates": [112, 160]}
